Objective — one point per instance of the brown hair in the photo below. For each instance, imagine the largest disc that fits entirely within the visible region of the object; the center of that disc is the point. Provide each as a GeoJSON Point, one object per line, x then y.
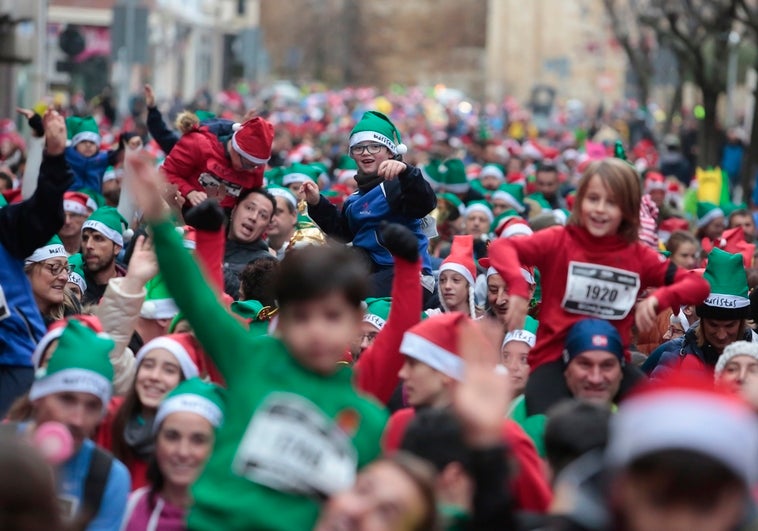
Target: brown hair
{"type": "Point", "coordinates": [622, 181]}
{"type": "Point", "coordinates": [679, 238]}
{"type": "Point", "coordinates": [422, 475]}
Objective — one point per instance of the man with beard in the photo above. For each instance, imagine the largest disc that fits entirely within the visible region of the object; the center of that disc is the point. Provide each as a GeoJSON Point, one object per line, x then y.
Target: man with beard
{"type": "Point", "coordinates": [77, 207]}
{"type": "Point", "coordinates": [283, 222]}
{"type": "Point", "coordinates": [250, 217]}
{"type": "Point", "coordinates": [102, 240]}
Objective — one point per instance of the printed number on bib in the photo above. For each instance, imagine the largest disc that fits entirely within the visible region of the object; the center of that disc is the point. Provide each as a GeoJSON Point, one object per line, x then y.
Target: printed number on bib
{"type": "Point", "coordinates": [209, 180]}
{"type": "Point", "coordinates": [600, 291]}
{"type": "Point", "coordinates": [5, 311]}
{"type": "Point", "coordinates": [291, 446]}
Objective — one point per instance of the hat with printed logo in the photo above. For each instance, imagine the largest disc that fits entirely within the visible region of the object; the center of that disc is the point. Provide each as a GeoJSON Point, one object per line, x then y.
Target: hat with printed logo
{"type": "Point", "coordinates": [377, 127]}
{"type": "Point", "coordinates": [79, 363]}
{"type": "Point", "coordinates": [526, 335]}
{"type": "Point", "coordinates": [193, 396]}
{"type": "Point", "coordinates": [110, 223]}
{"type": "Point", "coordinates": [377, 311]}
{"type": "Point", "coordinates": [78, 203]}
{"type": "Point", "coordinates": [57, 328]}
{"type": "Point", "coordinates": [592, 334]}
{"type": "Point", "coordinates": [52, 249]}
{"type": "Point", "coordinates": [728, 300]}
{"type": "Point", "coordinates": [81, 129]}
{"type": "Point", "coordinates": [252, 140]}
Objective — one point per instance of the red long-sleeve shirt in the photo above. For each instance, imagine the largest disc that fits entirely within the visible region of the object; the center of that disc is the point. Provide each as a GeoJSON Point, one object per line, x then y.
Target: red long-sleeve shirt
{"type": "Point", "coordinates": [378, 367]}
{"type": "Point", "coordinates": [531, 491]}
{"type": "Point", "coordinates": [606, 275]}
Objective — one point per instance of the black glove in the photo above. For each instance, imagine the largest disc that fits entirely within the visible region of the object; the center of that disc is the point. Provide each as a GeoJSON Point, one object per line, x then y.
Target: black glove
{"type": "Point", "coordinates": [399, 240]}
{"type": "Point", "coordinates": [207, 216]}
{"type": "Point", "coordinates": [35, 122]}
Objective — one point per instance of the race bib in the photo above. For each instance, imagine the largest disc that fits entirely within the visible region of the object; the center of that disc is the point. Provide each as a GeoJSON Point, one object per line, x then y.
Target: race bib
{"type": "Point", "coordinates": [208, 180]}
{"type": "Point", "coordinates": [5, 311]}
{"type": "Point", "coordinates": [291, 446]}
{"type": "Point", "coordinates": [600, 291]}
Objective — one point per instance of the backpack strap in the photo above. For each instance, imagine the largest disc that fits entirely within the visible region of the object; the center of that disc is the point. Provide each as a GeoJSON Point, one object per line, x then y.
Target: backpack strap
{"type": "Point", "coordinates": [94, 483]}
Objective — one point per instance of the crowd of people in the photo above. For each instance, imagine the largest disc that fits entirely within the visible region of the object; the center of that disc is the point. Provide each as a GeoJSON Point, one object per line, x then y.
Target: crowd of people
{"type": "Point", "coordinates": [364, 312]}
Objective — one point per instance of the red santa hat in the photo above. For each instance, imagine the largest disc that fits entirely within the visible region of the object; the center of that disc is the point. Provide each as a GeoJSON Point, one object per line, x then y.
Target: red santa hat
{"type": "Point", "coordinates": [189, 236]}
{"type": "Point", "coordinates": [434, 342]}
{"type": "Point", "coordinates": [183, 347]}
{"type": "Point", "coordinates": [253, 139]}
{"type": "Point", "coordinates": [672, 414]}
{"type": "Point", "coordinates": [78, 203]}
{"type": "Point", "coordinates": [512, 226]}
{"type": "Point", "coordinates": [461, 258]}
{"type": "Point", "coordinates": [654, 181]}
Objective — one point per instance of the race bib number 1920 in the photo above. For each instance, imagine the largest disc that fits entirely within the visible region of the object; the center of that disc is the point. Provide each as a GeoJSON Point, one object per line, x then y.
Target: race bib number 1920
{"type": "Point", "coordinates": [291, 446]}
{"type": "Point", "coordinates": [600, 291]}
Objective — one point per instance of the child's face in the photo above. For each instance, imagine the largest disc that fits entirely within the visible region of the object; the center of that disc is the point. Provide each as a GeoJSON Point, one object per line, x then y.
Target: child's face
{"type": "Point", "coordinates": [87, 148]}
{"type": "Point", "coordinates": [368, 163]}
{"type": "Point", "coordinates": [685, 256]}
{"type": "Point", "coordinates": [600, 212]}
{"type": "Point", "coordinates": [715, 229]}
{"type": "Point", "coordinates": [318, 332]}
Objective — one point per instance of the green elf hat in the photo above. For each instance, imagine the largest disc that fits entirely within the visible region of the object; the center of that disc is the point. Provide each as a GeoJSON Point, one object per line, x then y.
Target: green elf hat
{"type": "Point", "coordinates": [526, 335]}
{"type": "Point", "coordinates": [108, 222]}
{"type": "Point", "coordinates": [158, 302]}
{"type": "Point", "coordinates": [76, 272]}
{"type": "Point", "coordinates": [513, 194]}
{"type": "Point", "coordinates": [3, 201]}
{"type": "Point", "coordinates": [454, 202]}
{"type": "Point", "coordinates": [707, 212]}
{"type": "Point", "coordinates": [204, 116]}
{"type": "Point", "coordinates": [482, 206]}
{"type": "Point", "coordinates": [432, 172]}
{"type": "Point", "coordinates": [274, 176]}
{"type": "Point", "coordinates": [79, 363]}
{"type": "Point", "coordinates": [284, 193]}
{"type": "Point", "coordinates": [492, 170]}
{"type": "Point", "coordinates": [95, 196]}
{"type": "Point", "coordinates": [52, 249]}
{"type": "Point", "coordinates": [193, 396]}
{"type": "Point", "coordinates": [453, 178]}
{"type": "Point", "coordinates": [376, 312]}
{"type": "Point", "coordinates": [728, 300]}
{"type": "Point", "coordinates": [321, 171]}
{"type": "Point", "coordinates": [82, 128]}
{"type": "Point", "coordinates": [377, 127]}
{"type": "Point", "coordinates": [346, 162]}
{"type": "Point", "coordinates": [300, 173]}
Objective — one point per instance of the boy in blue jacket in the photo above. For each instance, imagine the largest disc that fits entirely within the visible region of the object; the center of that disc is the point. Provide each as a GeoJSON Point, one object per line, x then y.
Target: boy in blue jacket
{"type": "Point", "coordinates": [84, 156]}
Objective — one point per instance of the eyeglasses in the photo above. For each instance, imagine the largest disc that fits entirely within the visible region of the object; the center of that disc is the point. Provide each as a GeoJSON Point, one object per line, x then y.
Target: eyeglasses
{"type": "Point", "coordinates": [57, 269]}
{"type": "Point", "coordinates": [371, 149]}
{"type": "Point", "coordinates": [247, 165]}
{"type": "Point", "coordinates": [370, 337]}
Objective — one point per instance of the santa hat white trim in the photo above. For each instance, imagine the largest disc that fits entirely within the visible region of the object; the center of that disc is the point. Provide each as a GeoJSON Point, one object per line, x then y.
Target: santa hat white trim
{"type": "Point", "coordinates": [710, 216]}
{"type": "Point", "coordinates": [284, 194]}
{"type": "Point", "coordinates": [78, 280]}
{"type": "Point", "coordinates": [726, 300]}
{"type": "Point", "coordinates": [105, 230]}
{"type": "Point", "coordinates": [460, 269]}
{"type": "Point", "coordinates": [190, 403]}
{"type": "Point", "coordinates": [73, 380]}
{"type": "Point", "coordinates": [674, 419]}
{"type": "Point", "coordinates": [159, 309]}
{"type": "Point", "coordinates": [491, 271]}
{"type": "Point", "coordinates": [75, 207]}
{"type": "Point", "coordinates": [189, 369]}
{"type": "Point", "coordinates": [525, 336]}
{"type": "Point", "coordinates": [508, 198]}
{"type": "Point", "coordinates": [374, 320]}
{"type": "Point", "coordinates": [528, 277]}
{"type": "Point", "coordinates": [478, 207]}
{"type": "Point", "coordinates": [364, 136]}
{"type": "Point", "coordinates": [247, 156]}
{"type": "Point", "coordinates": [492, 171]}
{"type": "Point", "coordinates": [86, 136]}
{"type": "Point", "coordinates": [48, 338]}
{"type": "Point", "coordinates": [48, 251]}
{"type": "Point", "coordinates": [292, 178]}
{"type": "Point", "coordinates": [516, 229]}
{"type": "Point", "coordinates": [438, 358]}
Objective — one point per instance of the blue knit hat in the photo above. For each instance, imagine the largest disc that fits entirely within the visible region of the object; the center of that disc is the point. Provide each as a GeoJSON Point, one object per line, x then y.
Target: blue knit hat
{"type": "Point", "coordinates": [592, 334]}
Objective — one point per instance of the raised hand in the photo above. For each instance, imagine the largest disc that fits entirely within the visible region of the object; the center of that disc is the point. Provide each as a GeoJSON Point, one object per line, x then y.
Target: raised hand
{"type": "Point", "coordinates": [149, 96]}
{"type": "Point", "coordinates": [147, 185]}
{"type": "Point", "coordinates": [143, 265]}
{"type": "Point", "coordinates": [55, 132]}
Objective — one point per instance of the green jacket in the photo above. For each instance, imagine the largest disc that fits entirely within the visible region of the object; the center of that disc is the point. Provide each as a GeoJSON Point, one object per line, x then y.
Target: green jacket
{"type": "Point", "coordinates": [534, 426]}
{"type": "Point", "coordinates": [290, 437]}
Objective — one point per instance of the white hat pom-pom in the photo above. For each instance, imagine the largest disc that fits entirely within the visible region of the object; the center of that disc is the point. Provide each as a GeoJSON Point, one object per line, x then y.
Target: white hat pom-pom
{"type": "Point", "coordinates": [128, 235]}
{"type": "Point", "coordinates": [236, 126]}
{"type": "Point", "coordinates": [402, 149]}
